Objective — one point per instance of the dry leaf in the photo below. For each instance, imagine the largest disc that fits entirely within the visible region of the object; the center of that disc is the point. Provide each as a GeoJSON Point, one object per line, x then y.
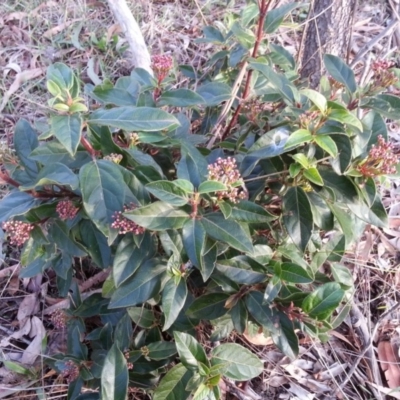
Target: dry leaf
{"type": "Point", "coordinates": [57, 29]}
{"type": "Point", "coordinates": [391, 392]}
{"type": "Point", "coordinates": [389, 363]}
{"type": "Point", "coordinates": [259, 339]}
{"type": "Point", "coordinates": [27, 306]}
{"type": "Point", "coordinates": [35, 348]}
{"type": "Point", "coordinates": [20, 78]}
{"type": "Point", "coordinates": [13, 285]}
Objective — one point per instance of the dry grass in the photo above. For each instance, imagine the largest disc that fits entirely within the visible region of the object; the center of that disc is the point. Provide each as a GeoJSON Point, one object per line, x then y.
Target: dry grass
{"type": "Point", "coordinates": [36, 33]}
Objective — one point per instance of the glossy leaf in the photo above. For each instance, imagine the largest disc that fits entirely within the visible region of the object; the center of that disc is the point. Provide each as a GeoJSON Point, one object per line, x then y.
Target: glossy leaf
{"type": "Point", "coordinates": [298, 137]}
{"type": "Point", "coordinates": [313, 176]}
{"type": "Point", "coordinates": [190, 351]}
{"type": "Point", "coordinates": [209, 306]}
{"type": "Point", "coordinates": [252, 213]}
{"type": "Point", "coordinates": [173, 300]}
{"type": "Point", "coordinates": [214, 93]}
{"type": "Point", "coordinates": [168, 192]}
{"type": "Point", "coordinates": [192, 167]}
{"type": "Point", "coordinates": [317, 98]}
{"type": "Point", "coordinates": [261, 312]}
{"type": "Point", "coordinates": [194, 239]}
{"type": "Point", "coordinates": [211, 187]}
{"type": "Point", "coordinates": [276, 16]}
{"type": "Point", "coordinates": [114, 376]}
{"type": "Point", "coordinates": [144, 119]}
{"type": "Point", "coordinates": [227, 231]}
{"type": "Point", "coordinates": [161, 350]}
{"type": "Point", "coordinates": [158, 216]}
{"type": "Point", "coordinates": [321, 303]}
{"type": "Point", "coordinates": [340, 71]}
{"type": "Point", "coordinates": [345, 117]}
{"type": "Point", "coordinates": [173, 384]}
{"type": "Point", "coordinates": [240, 272]}
{"type": "Point", "coordinates": [180, 98]}
{"type": "Point", "coordinates": [103, 194]}
{"type": "Point", "coordinates": [142, 286]}
{"type": "Point", "coordinates": [298, 218]}
{"type": "Point", "coordinates": [68, 130]}
{"type": "Point", "coordinates": [327, 143]}
{"type": "Point", "coordinates": [16, 203]}
{"type": "Point", "coordinates": [295, 274]}
{"type": "Point", "coordinates": [242, 364]}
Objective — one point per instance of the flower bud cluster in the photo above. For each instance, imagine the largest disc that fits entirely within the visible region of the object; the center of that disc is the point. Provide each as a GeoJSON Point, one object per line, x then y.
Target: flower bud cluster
{"type": "Point", "coordinates": [307, 118]}
{"type": "Point", "coordinates": [17, 231]}
{"type": "Point", "coordinates": [134, 139]}
{"type": "Point", "coordinates": [71, 371]}
{"type": "Point", "coordinates": [59, 319]}
{"type": "Point", "coordinates": [381, 160]}
{"type": "Point", "coordinates": [254, 108]}
{"type": "Point", "coordinates": [161, 65]}
{"type": "Point", "coordinates": [66, 210]}
{"type": "Point", "coordinates": [125, 225]}
{"type": "Point", "coordinates": [383, 76]}
{"type": "Point", "coordinates": [225, 170]}
{"type": "Point", "coordinates": [114, 157]}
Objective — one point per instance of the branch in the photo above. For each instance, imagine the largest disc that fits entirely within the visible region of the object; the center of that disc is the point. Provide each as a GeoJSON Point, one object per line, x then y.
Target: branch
{"type": "Point", "coordinates": [131, 29]}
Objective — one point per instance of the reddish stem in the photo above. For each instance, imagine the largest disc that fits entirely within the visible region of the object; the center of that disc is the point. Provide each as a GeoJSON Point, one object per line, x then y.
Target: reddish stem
{"type": "Point", "coordinates": [7, 178]}
{"type": "Point", "coordinates": [264, 7]}
{"type": "Point", "coordinates": [89, 148]}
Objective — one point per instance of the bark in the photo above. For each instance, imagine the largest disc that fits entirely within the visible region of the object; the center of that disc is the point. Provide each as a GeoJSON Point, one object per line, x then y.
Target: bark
{"type": "Point", "coordinates": [328, 31]}
{"type": "Point", "coordinates": [131, 29]}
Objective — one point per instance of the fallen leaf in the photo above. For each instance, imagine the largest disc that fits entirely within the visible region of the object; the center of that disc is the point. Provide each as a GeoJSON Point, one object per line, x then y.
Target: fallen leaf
{"type": "Point", "coordinates": [391, 392]}
{"type": "Point", "coordinates": [34, 350]}
{"type": "Point", "coordinates": [20, 78]}
{"type": "Point", "coordinates": [57, 29]}
{"type": "Point", "coordinates": [27, 306]}
{"type": "Point", "coordinates": [389, 363]}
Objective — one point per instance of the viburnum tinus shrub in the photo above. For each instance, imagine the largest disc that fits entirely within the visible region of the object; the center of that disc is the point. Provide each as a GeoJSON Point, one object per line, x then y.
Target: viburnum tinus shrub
{"type": "Point", "coordinates": [224, 205]}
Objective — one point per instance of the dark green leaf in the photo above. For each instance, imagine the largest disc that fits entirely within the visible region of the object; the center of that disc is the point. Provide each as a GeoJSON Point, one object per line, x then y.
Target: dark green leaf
{"type": "Point", "coordinates": [142, 317]}
{"type": "Point", "coordinates": [60, 234]}
{"type": "Point", "coordinates": [209, 306]}
{"type": "Point", "coordinates": [158, 216]}
{"type": "Point", "coordinates": [252, 213]}
{"type": "Point", "coordinates": [190, 351]}
{"type": "Point", "coordinates": [180, 98]}
{"type": "Point", "coordinates": [293, 273]}
{"type": "Point", "coordinates": [194, 239]}
{"type": "Point", "coordinates": [193, 166]}
{"type": "Point", "coordinates": [142, 286]}
{"type": "Point", "coordinates": [239, 316]}
{"type": "Point", "coordinates": [340, 71]}
{"type": "Point", "coordinates": [173, 384]}
{"type": "Point", "coordinates": [298, 218]}
{"type": "Point", "coordinates": [342, 275]}
{"type": "Point", "coordinates": [145, 119]}
{"type": "Point", "coordinates": [211, 186]}
{"type": "Point", "coordinates": [345, 117]}
{"type": "Point", "coordinates": [275, 17]}
{"type": "Point", "coordinates": [103, 193]}
{"type": "Point", "coordinates": [64, 78]}
{"type": "Point", "coordinates": [108, 94]}
{"type": "Point", "coordinates": [114, 376]}
{"type": "Point", "coordinates": [227, 231]}
{"type": "Point", "coordinates": [128, 257]}
{"type": "Point", "coordinates": [285, 338]}
{"type": "Point", "coordinates": [25, 141]}
{"type": "Point", "coordinates": [244, 36]}
{"type": "Point", "coordinates": [242, 364]}
{"type": "Point", "coordinates": [240, 272]}
{"type": "Point", "coordinates": [344, 157]}
{"type": "Point", "coordinates": [272, 290]}
{"type": "Point", "coordinates": [173, 299]}
{"type": "Point", "coordinates": [168, 192]}
{"type": "Point", "coordinates": [16, 203]}
{"type": "Point", "coordinates": [262, 313]}
{"type": "Point", "coordinates": [208, 259]}
{"type": "Point", "coordinates": [54, 174]}
{"type": "Point", "coordinates": [68, 130]}
{"type": "Point", "coordinates": [321, 303]}
{"type": "Point", "coordinates": [214, 93]}
{"type": "Point", "coordinates": [161, 350]}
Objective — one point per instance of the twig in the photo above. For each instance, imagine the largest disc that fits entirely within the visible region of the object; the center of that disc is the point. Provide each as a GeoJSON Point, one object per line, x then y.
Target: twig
{"type": "Point", "coordinates": [368, 46]}
{"type": "Point", "coordinates": [7, 272]}
{"type": "Point", "coordinates": [368, 345]}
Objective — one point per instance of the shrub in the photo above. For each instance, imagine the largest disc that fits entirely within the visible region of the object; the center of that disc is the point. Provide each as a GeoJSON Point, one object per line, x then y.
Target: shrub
{"type": "Point", "coordinates": [214, 204]}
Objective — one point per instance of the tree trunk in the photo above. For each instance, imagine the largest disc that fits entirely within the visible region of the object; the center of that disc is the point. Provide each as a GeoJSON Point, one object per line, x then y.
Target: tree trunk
{"type": "Point", "coordinates": [328, 31]}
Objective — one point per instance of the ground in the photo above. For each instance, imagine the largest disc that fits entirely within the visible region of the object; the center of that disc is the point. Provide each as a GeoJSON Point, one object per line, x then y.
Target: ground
{"type": "Point", "coordinates": [35, 34]}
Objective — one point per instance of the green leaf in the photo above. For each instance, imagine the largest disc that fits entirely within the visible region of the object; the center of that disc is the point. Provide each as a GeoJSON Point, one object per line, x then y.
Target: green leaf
{"type": "Point", "coordinates": [298, 218]}
{"type": "Point", "coordinates": [193, 166]}
{"type": "Point", "coordinates": [158, 216]}
{"type": "Point", "coordinates": [185, 185]}
{"type": "Point", "coordinates": [168, 192]}
{"type": "Point", "coordinates": [285, 338]}
{"type": "Point", "coordinates": [323, 301]}
{"type": "Point", "coordinates": [302, 160]}
{"type": "Point", "coordinates": [313, 176]}
{"type": "Point", "coordinates": [144, 119]}
{"type": "Point", "coordinates": [60, 234]}
{"type": "Point", "coordinates": [227, 231]}
{"type": "Point", "coordinates": [190, 351]}
{"type": "Point", "coordinates": [16, 203]}
{"type": "Point", "coordinates": [161, 350]}
{"type": "Point", "coordinates": [272, 290]}
{"type": "Point", "coordinates": [245, 37]}
{"type": "Point", "coordinates": [340, 71]}
{"type": "Point", "coordinates": [298, 137]}
{"type": "Point", "coordinates": [140, 287]}
{"type": "Point", "coordinates": [327, 143]}
{"type": "Point", "coordinates": [317, 98]}
{"type": "Point", "coordinates": [345, 117]}
{"type": "Point", "coordinates": [293, 273]}
{"type": "Point", "coordinates": [108, 94]}
{"type": "Point", "coordinates": [180, 98]}
{"type": "Point", "coordinates": [25, 141]}
{"type": "Point", "coordinates": [68, 130]}
{"type": "Point", "coordinates": [276, 16]}
{"type": "Point", "coordinates": [240, 271]}
{"type": "Point", "coordinates": [142, 317]}
{"type": "Point", "coordinates": [209, 306]}
{"type": "Point", "coordinates": [208, 259]}
{"type": "Point", "coordinates": [128, 257]}
{"type": "Point", "coordinates": [63, 77]}
{"type": "Point", "coordinates": [252, 213]}
{"type": "Point", "coordinates": [194, 239]}
{"type": "Point", "coordinates": [54, 174]}
{"type": "Point", "coordinates": [242, 363]}
{"type": "Point", "coordinates": [211, 187]}
{"type": "Point", "coordinates": [114, 376]}
{"type": "Point", "coordinates": [214, 93]}
{"type": "Point", "coordinates": [173, 299]}
{"type": "Point", "coordinates": [239, 316]}
{"type": "Point", "coordinates": [342, 275]}
{"type": "Point", "coordinates": [103, 193]}
{"type": "Point", "coordinates": [173, 384]}
{"type": "Point", "coordinates": [344, 156]}
{"type": "Point", "coordinates": [263, 314]}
